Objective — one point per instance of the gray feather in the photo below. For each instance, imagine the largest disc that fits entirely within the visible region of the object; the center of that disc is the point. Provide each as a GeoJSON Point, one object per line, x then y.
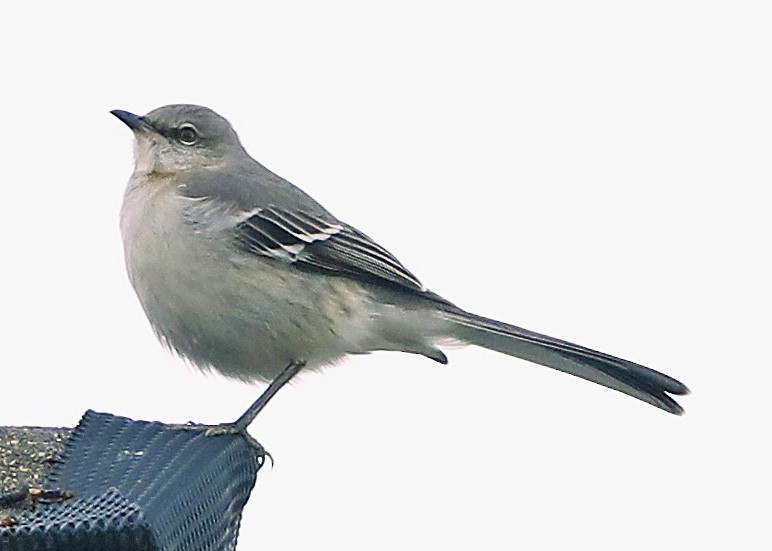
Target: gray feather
{"type": "Point", "coordinates": [624, 376]}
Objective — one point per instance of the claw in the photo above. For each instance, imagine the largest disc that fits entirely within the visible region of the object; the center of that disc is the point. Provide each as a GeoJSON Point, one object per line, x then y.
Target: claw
{"type": "Point", "coordinates": [233, 428]}
{"type": "Point", "coordinates": [263, 456]}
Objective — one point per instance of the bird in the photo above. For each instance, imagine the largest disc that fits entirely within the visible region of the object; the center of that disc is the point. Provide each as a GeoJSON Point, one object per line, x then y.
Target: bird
{"type": "Point", "coordinates": [240, 271]}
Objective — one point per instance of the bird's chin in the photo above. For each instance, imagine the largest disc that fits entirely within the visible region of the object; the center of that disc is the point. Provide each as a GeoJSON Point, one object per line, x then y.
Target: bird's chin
{"type": "Point", "coordinates": [152, 157]}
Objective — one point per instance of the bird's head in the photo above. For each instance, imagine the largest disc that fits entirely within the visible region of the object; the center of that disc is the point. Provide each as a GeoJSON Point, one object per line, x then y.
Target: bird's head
{"type": "Point", "coordinates": [178, 138]}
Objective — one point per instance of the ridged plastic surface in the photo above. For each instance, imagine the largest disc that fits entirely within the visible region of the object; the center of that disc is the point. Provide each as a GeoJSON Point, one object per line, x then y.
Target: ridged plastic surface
{"type": "Point", "coordinates": [106, 521]}
{"type": "Point", "coordinates": [141, 486]}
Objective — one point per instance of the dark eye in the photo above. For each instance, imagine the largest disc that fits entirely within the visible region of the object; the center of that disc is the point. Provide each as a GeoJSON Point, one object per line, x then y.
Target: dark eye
{"type": "Point", "coordinates": [187, 134]}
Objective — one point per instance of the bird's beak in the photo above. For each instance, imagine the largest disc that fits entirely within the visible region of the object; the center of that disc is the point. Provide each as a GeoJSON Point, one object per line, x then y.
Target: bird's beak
{"type": "Point", "coordinates": [135, 122]}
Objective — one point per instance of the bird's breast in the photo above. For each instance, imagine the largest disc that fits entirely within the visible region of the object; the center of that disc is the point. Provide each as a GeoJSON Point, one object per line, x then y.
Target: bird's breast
{"type": "Point", "coordinates": [242, 314]}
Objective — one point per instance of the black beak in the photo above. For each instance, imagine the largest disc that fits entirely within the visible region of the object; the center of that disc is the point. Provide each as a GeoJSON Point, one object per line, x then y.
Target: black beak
{"type": "Point", "coordinates": [135, 122]}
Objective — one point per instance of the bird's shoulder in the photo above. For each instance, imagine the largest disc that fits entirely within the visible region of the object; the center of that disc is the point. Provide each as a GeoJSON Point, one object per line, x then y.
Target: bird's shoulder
{"type": "Point", "coordinates": [248, 188]}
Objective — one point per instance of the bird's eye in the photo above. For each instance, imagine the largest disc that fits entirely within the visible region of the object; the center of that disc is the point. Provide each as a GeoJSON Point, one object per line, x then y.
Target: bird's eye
{"type": "Point", "coordinates": [187, 134]}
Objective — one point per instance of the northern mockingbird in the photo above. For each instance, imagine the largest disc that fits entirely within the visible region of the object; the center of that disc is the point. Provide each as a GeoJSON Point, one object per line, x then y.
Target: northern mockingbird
{"type": "Point", "coordinates": [240, 271]}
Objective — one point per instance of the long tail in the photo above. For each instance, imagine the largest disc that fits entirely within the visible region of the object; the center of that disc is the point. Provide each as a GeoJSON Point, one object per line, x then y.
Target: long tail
{"type": "Point", "coordinates": [628, 377]}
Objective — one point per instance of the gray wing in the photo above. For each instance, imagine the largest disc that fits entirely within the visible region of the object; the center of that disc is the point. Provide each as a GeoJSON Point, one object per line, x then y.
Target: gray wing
{"type": "Point", "coordinates": [282, 222]}
{"type": "Point", "coordinates": [319, 242]}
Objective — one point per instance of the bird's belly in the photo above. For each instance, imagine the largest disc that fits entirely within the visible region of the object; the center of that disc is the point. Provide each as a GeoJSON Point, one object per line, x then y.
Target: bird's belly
{"type": "Point", "coordinates": [250, 317]}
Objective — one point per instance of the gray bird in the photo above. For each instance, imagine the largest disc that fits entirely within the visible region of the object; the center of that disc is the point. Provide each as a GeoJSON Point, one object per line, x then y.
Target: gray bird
{"type": "Point", "coordinates": [240, 271]}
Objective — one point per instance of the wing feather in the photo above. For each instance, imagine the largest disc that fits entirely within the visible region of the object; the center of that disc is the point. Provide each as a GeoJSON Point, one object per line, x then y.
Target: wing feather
{"type": "Point", "coordinates": [314, 242]}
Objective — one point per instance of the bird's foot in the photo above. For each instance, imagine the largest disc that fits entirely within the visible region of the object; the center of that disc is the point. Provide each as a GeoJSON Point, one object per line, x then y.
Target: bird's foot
{"type": "Point", "coordinates": [225, 429]}
{"type": "Point", "coordinates": [212, 430]}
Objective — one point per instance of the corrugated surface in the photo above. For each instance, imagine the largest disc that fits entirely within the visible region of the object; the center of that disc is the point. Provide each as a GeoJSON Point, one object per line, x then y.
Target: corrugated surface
{"type": "Point", "coordinates": [104, 522]}
{"type": "Point", "coordinates": [142, 485]}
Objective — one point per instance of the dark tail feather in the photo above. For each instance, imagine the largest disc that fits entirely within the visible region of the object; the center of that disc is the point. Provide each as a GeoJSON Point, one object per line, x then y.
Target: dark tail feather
{"type": "Point", "coordinates": [628, 377]}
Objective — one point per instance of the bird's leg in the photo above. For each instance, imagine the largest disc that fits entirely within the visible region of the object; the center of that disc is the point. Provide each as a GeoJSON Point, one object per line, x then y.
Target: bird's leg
{"type": "Point", "coordinates": [281, 379]}
{"type": "Point", "coordinates": [241, 424]}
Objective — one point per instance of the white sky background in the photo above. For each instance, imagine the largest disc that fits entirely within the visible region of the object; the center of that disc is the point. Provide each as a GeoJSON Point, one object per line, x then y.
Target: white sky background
{"type": "Point", "coordinates": [595, 171]}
